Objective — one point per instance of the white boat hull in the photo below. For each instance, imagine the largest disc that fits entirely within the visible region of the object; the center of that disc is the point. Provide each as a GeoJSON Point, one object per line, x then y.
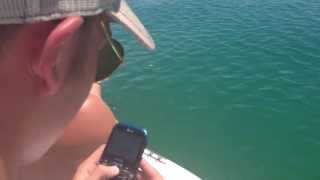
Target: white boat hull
{"type": "Point", "coordinates": [168, 169]}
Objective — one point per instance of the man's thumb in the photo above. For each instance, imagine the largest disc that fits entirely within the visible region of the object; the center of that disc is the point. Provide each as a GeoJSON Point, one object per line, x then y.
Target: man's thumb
{"type": "Point", "coordinates": [105, 172]}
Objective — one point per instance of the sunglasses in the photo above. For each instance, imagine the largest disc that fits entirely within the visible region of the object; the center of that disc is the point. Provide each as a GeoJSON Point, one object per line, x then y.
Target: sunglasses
{"type": "Point", "coordinates": [110, 56]}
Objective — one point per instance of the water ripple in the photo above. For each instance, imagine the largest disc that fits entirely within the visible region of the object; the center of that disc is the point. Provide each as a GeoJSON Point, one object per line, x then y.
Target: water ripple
{"type": "Point", "coordinates": [231, 65]}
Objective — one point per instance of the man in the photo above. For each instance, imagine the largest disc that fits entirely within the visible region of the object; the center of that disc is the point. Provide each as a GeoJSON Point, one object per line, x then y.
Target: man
{"type": "Point", "coordinates": [48, 62]}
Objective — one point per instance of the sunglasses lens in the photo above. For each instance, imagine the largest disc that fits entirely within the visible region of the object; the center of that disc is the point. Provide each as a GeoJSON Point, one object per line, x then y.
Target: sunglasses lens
{"type": "Point", "coordinates": [109, 60]}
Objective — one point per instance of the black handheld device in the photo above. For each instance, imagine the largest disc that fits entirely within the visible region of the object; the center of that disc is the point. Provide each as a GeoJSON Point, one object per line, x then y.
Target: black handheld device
{"type": "Point", "coordinates": [124, 149]}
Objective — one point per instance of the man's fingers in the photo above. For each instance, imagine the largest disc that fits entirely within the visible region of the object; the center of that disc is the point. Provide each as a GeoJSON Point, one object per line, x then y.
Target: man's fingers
{"type": "Point", "coordinates": [104, 172]}
{"type": "Point", "coordinates": [149, 172]}
{"type": "Point", "coordinates": [89, 165]}
{"type": "Point", "coordinates": [140, 175]}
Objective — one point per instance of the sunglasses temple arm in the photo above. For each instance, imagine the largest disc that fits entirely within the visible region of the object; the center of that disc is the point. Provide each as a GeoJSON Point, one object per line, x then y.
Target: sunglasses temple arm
{"type": "Point", "coordinates": [108, 38]}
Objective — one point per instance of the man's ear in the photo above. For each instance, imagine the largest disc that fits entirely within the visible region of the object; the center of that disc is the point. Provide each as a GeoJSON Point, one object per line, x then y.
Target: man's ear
{"type": "Point", "coordinates": [45, 68]}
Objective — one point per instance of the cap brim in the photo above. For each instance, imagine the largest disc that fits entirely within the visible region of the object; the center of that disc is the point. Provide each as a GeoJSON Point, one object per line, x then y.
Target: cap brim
{"type": "Point", "coordinates": [125, 16]}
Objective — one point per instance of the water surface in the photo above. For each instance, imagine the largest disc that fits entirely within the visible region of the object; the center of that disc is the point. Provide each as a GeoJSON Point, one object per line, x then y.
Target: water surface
{"type": "Point", "coordinates": [233, 90]}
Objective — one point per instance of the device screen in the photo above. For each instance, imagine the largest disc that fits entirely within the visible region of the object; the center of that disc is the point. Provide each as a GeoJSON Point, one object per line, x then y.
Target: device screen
{"type": "Point", "coordinates": [124, 145]}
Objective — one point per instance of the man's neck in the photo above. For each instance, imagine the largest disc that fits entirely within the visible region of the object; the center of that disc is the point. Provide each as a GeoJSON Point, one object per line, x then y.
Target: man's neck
{"type": "Point", "coordinates": [10, 164]}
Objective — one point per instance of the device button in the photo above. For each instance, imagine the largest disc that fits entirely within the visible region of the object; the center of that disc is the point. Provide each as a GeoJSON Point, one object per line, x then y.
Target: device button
{"type": "Point", "coordinates": [125, 175]}
{"type": "Point", "coordinates": [118, 160]}
{"type": "Point", "coordinates": [112, 163]}
{"type": "Point", "coordinates": [104, 162]}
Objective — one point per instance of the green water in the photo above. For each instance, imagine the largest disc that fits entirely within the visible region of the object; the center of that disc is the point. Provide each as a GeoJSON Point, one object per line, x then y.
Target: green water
{"type": "Point", "coordinates": [233, 90]}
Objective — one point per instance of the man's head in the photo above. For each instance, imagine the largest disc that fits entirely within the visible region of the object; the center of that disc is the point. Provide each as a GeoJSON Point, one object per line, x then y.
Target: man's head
{"type": "Point", "coordinates": [48, 61]}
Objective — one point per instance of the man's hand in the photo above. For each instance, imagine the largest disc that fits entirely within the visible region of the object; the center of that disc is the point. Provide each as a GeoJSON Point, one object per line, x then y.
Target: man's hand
{"type": "Point", "coordinates": [148, 172]}
{"type": "Point", "coordinates": [91, 170]}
